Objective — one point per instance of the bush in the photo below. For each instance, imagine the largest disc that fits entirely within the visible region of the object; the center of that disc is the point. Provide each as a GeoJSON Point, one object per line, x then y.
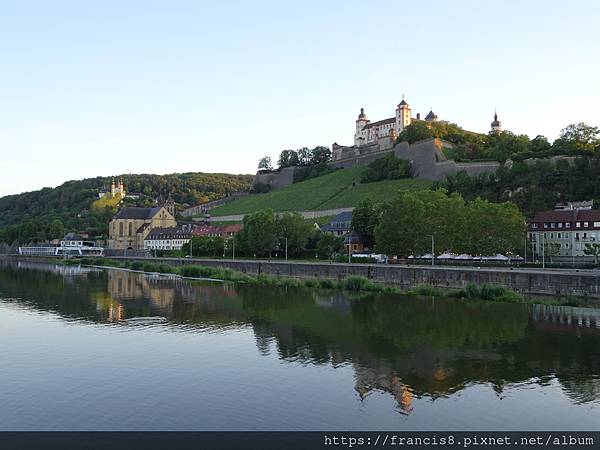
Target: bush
{"type": "Point", "coordinates": [425, 290]}
{"type": "Point", "coordinates": [491, 292]}
{"type": "Point", "coordinates": [389, 167]}
{"type": "Point", "coordinates": [357, 283]}
{"type": "Point", "coordinates": [311, 282]}
{"type": "Point", "coordinates": [325, 283]}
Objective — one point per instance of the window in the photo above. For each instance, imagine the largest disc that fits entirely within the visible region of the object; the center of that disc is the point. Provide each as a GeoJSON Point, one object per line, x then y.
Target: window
{"type": "Point", "coordinates": [558, 236]}
{"type": "Point", "coordinates": [568, 225]}
{"type": "Point", "coordinates": [534, 225]}
{"type": "Point", "coordinates": [560, 224]}
{"type": "Point", "coordinates": [552, 225]}
{"type": "Point", "coordinates": [578, 224]}
{"type": "Point", "coordinates": [545, 225]}
{"type": "Point", "coordinates": [586, 224]}
{"type": "Point", "coordinates": [121, 229]}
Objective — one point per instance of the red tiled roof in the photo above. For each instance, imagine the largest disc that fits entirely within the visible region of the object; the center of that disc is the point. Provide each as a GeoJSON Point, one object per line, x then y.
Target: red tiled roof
{"type": "Point", "coordinates": [568, 215]}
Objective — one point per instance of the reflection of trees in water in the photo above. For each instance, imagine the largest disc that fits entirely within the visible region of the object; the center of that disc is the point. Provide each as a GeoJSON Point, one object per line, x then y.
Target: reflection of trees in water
{"type": "Point", "coordinates": [406, 347]}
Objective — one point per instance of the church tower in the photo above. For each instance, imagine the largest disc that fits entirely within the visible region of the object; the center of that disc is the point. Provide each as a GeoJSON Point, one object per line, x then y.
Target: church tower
{"type": "Point", "coordinates": [402, 115]}
{"type": "Point", "coordinates": [360, 137]}
{"type": "Point", "coordinates": [496, 126]}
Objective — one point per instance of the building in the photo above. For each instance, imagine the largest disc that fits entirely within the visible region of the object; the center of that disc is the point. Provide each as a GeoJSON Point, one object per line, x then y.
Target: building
{"type": "Point", "coordinates": [340, 225]}
{"type": "Point", "coordinates": [169, 238]}
{"type": "Point", "coordinates": [368, 132]}
{"type": "Point", "coordinates": [354, 243]}
{"type": "Point", "coordinates": [496, 126]}
{"type": "Point", "coordinates": [115, 189]}
{"type": "Point", "coordinates": [225, 231]}
{"type": "Point", "coordinates": [564, 232]}
{"type": "Point", "coordinates": [130, 226]}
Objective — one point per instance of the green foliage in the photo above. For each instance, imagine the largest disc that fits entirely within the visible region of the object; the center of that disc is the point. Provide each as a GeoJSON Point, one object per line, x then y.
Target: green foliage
{"type": "Point", "coordinates": [265, 164]}
{"type": "Point", "coordinates": [387, 168]}
{"type": "Point", "coordinates": [296, 229]}
{"type": "Point", "coordinates": [304, 157]}
{"type": "Point", "coordinates": [477, 227]}
{"type": "Point", "coordinates": [307, 172]}
{"type": "Point", "coordinates": [578, 136]}
{"type": "Point", "coordinates": [592, 249]}
{"type": "Point", "coordinates": [533, 186]}
{"type": "Point", "coordinates": [492, 292]}
{"type": "Point", "coordinates": [365, 217]}
{"type": "Point", "coordinates": [259, 234]}
{"type": "Point", "coordinates": [335, 190]}
{"type": "Point", "coordinates": [205, 246]}
{"type": "Point", "coordinates": [416, 131]}
{"type": "Point", "coordinates": [329, 245]}
{"type": "Point", "coordinates": [31, 216]}
{"type": "Point", "coordinates": [425, 290]}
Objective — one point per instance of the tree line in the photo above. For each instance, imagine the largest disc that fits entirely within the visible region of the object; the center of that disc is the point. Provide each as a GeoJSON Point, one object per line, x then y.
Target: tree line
{"type": "Point", "coordinates": [412, 221]}
{"type": "Point", "coordinates": [575, 139]}
{"type": "Point", "coordinates": [34, 216]}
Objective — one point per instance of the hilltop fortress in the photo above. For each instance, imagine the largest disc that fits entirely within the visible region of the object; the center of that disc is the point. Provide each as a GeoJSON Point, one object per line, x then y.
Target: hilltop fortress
{"type": "Point", "coordinates": [374, 140]}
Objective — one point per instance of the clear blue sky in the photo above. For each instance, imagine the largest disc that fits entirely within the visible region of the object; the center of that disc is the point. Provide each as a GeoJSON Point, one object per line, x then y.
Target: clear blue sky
{"type": "Point", "coordinates": [101, 88]}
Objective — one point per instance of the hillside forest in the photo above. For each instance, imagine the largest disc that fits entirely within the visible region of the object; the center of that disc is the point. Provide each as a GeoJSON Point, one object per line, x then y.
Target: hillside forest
{"type": "Point", "coordinates": [50, 212]}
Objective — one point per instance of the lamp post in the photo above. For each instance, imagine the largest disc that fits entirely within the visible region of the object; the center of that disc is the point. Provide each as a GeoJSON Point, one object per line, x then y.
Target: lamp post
{"type": "Point", "coordinates": [432, 248]}
{"type": "Point", "coordinates": [233, 254]}
{"type": "Point", "coordinates": [543, 250]}
{"type": "Point", "coordinates": [286, 248]}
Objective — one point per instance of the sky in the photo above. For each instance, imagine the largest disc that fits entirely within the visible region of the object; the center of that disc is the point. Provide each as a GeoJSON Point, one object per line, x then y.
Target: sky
{"type": "Point", "coordinates": [103, 88]}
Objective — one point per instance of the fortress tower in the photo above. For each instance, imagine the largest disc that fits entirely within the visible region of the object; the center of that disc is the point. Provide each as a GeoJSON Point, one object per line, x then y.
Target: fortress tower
{"type": "Point", "coordinates": [496, 126]}
{"type": "Point", "coordinates": [402, 116]}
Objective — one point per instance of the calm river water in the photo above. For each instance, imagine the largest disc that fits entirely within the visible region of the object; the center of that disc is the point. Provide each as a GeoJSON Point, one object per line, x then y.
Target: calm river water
{"type": "Point", "coordinates": [86, 349]}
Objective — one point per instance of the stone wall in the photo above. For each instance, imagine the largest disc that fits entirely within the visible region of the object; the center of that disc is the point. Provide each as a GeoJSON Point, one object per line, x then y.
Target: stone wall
{"type": "Point", "coordinates": [525, 281]}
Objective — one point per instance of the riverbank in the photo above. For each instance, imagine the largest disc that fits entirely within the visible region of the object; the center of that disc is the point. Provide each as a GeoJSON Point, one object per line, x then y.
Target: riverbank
{"type": "Point", "coordinates": [525, 282]}
{"type": "Point", "coordinates": [352, 283]}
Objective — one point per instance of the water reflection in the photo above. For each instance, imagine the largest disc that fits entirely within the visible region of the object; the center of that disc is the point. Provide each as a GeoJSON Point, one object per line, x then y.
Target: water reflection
{"type": "Point", "coordinates": [405, 347]}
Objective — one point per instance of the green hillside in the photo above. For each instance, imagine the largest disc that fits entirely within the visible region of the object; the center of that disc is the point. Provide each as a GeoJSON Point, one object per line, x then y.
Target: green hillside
{"type": "Point", "coordinates": [74, 206]}
{"type": "Point", "coordinates": [335, 190]}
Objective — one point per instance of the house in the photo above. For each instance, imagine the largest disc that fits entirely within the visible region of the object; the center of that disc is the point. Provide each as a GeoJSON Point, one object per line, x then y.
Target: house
{"type": "Point", "coordinates": [169, 238]}
{"type": "Point", "coordinates": [354, 243]}
{"type": "Point", "coordinates": [130, 226]}
{"type": "Point", "coordinates": [564, 232]}
{"type": "Point", "coordinates": [225, 231]}
{"type": "Point", "coordinates": [340, 225]}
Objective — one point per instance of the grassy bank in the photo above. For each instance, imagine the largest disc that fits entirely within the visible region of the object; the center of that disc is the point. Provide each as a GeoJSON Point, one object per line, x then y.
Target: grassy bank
{"type": "Point", "coordinates": [353, 283]}
{"type": "Point", "coordinates": [341, 188]}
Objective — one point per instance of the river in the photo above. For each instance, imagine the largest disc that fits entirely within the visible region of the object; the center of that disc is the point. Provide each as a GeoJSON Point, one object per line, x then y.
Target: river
{"type": "Point", "coordinates": [91, 349]}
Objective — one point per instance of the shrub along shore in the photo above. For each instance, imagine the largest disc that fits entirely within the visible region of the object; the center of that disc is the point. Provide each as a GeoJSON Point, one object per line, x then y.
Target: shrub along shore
{"type": "Point", "coordinates": [353, 283]}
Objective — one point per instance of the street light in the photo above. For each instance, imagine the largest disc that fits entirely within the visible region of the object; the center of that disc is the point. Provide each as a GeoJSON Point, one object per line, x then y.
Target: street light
{"type": "Point", "coordinates": [432, 247]}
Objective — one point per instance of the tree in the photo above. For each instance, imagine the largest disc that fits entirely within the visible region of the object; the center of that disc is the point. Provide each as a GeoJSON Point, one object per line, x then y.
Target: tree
{"type": "Point", "coordinates": [260, 232]}
{"type": "Point", "coordinates": [288, 158]}
{"type": "Point", "coordinates": [365, 218]}
{"type": "Point", "coordinates": [478, 227]}
{"type": "Point", "coordinates": [329, 245]}
{"type": "Point", "coordinates": [578, 137]}
{"type": "Point", "coordinates": [265, 164]}
{"type": "Point", "coordinates": [205, 246]}
{"type": "Point", "coordinates": [304, 156]}
{"type": "Point", "coordinates": [491, 228]}
{"type": "Point", "coordinates": [416, 131]}
{"type": "Point", "coordinates": [505, 144]}
{"type": "Point", "coordinates": [539, 144]}
{"type": "Point", "coordinates": [320, 155]}
{"type": "Point", "coordinates": [296, 229]}
{"type": "Point", "coordinates": [592, 249]}
{"type": "Point", "coordinates": [56, 230]}
{"type": "Point", "coordinates": [389, 167]}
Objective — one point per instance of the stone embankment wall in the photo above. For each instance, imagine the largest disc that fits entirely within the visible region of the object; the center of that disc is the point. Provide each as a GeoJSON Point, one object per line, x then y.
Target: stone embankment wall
{"type": "Point", "coordinates": [526, 281]}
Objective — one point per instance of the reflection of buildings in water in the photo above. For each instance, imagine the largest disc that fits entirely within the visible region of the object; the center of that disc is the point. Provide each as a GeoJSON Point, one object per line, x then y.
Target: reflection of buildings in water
{"type": "Point", "coordinates": [58, 269]}
{"type": "Point", "coordinates": [566, 318]}
{"type": "Point", "coordinates": [380, 378]}
{"type": "Point", "coordinates": [124, 285]}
